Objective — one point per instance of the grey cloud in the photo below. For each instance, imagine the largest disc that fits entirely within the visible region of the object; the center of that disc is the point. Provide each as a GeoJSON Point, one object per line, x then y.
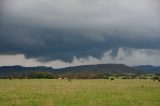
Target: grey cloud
{"type": "Point", "coordinates": [52, 30]}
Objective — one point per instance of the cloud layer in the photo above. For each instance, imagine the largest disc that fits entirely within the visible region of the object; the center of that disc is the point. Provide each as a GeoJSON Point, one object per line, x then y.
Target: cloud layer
{"type": "Point", "coordinates": [50, 30]}
{"type": "Point", "coordinates": [130, 57]}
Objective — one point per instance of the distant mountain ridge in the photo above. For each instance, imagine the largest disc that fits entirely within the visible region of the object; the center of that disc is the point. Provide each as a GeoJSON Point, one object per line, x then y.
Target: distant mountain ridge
{"type": "Point", "coordinates": [99, 68]}
{"type": "Point", "coordinates": [149, 68]}
{"type": "Point", "coordinates": [10, 70]}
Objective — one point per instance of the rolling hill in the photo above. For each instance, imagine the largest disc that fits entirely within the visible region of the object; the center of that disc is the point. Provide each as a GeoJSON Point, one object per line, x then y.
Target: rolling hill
{"type": "Point", "coordinates": [100, 68]}
{"type": "Point", "coordinates": [149, 68]}
{"type": "Point", "coordinates": [6, 71]}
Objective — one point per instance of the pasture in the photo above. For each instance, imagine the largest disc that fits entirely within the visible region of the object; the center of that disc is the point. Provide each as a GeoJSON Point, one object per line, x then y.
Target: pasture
{"type": "Point", "coordinates": [53, 92]}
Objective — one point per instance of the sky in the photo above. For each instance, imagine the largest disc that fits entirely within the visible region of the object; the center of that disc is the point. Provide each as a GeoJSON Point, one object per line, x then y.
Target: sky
{"type": "Point", "coordinates": [62, 33]}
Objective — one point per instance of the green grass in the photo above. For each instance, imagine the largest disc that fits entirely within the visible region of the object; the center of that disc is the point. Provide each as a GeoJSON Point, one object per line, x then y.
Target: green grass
{"type": "Point", "coordinates": [43, 92]}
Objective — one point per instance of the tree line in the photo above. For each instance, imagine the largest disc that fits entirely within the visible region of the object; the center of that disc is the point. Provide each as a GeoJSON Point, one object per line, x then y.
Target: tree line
{"type": "Point", "coordinates": [81, 75]}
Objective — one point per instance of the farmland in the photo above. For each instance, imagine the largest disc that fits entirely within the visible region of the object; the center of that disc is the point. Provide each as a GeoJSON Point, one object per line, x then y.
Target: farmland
{"type": "Point", "coordinates": [53, 92]}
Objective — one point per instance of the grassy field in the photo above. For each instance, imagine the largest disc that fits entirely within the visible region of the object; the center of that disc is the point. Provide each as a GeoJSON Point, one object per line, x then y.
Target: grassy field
{"type": "Point", "coordinates": [43, 92]}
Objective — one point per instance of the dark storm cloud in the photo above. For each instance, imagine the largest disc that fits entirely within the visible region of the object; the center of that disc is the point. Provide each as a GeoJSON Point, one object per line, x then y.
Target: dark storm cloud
{"type": "Point", "coordinates": [51, 30]}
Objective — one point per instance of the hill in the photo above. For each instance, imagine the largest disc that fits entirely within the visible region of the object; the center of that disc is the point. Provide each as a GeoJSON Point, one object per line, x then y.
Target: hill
{"type": "Point", "coordinates": [6, 71]}
{"type": "Point", "coordinates": [149, 68]}
{"type": "Point", "coordinates": [101, 68]}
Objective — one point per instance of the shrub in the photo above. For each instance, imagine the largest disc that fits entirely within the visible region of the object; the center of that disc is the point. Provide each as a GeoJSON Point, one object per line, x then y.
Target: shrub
{"type": "Point", "coordinates": [112, 78]}
{"type": "Point", "coordinates": [123, 77]}
{"type": "Point", "coordinates": [156, 78]}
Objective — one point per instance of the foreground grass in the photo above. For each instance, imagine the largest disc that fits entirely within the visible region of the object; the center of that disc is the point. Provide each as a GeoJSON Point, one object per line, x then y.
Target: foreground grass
{"type": "Point", "coordinates": [79, 93]}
